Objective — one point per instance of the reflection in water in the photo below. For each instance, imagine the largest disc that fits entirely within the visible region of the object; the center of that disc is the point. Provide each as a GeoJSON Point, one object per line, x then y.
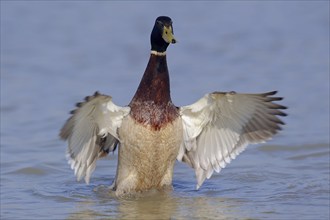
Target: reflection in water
{"type": "Point", "coordinates": [154, 205]}
{"type": "Point", "coordinates": [161, 205]}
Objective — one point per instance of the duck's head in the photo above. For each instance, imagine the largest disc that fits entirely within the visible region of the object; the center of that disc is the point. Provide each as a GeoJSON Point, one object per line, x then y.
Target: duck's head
{"type": "Point", "coordinates": [162, 34]}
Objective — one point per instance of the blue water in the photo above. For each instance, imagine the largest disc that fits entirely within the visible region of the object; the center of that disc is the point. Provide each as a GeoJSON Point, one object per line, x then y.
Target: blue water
{"type": "Point", "coordinates": [54, 53]}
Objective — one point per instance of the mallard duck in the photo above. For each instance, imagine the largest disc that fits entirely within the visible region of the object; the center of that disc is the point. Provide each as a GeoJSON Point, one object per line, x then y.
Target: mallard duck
{"type": "Point", "coordinates": [151, 133]}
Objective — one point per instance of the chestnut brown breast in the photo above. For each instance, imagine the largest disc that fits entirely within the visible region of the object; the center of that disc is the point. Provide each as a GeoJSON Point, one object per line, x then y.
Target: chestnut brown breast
{"type": "Point", "coordinates": [152, 104]}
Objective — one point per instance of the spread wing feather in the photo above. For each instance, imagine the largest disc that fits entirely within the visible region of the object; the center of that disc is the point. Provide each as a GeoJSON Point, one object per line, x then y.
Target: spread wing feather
{"type": "Point", "coordinates": [92, 132]}
{"type": "Point", "coordinates": [220, 125]}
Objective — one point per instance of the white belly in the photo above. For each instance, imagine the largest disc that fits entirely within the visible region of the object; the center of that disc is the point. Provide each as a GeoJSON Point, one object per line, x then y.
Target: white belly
{"type": "Point", "coordinates": [146, 156]}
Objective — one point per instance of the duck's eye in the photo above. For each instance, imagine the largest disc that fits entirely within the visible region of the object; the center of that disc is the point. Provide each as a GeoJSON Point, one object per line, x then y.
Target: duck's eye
{"type": "Point", "coordinates": [165, 32]}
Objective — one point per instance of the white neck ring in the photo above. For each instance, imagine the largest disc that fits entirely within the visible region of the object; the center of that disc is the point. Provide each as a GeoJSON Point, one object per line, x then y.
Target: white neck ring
{"type": "Point", "coordinates": [158, 53]}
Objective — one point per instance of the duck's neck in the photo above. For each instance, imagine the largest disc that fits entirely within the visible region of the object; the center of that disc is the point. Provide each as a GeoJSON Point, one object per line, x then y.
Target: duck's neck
{"type": "Point", "coordinates": [155, 84]}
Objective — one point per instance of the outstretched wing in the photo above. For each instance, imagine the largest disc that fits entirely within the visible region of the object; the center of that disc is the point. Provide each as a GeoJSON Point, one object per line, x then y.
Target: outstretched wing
{"type": "Point", "coordinates": [92, 132]}
{"type": "Point", "coordinates": [220, 125]}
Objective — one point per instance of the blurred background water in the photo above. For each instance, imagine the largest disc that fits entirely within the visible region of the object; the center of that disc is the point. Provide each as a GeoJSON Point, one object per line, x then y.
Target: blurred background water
{"type": "Point", "coordinates": [54, 53]}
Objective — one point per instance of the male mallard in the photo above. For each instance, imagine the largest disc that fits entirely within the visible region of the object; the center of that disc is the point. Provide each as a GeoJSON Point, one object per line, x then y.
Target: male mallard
{"type": "Point", "coordinates": [152, 132]}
